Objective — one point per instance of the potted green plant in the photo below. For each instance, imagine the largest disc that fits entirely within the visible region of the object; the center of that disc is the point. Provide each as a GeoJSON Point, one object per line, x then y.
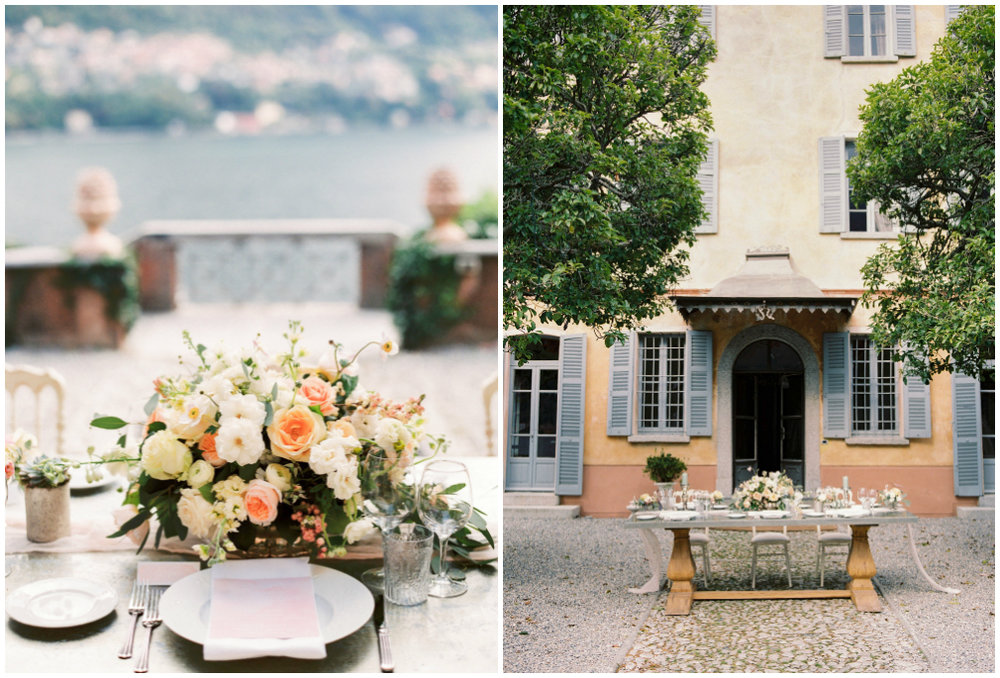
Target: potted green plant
{"type": "Point", "coordinates": [46, 497]}
{"type": "Point", "coordinates": [663, 469]}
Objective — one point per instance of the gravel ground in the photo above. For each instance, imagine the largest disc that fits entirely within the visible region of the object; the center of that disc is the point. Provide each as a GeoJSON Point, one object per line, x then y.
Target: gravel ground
{"type": "Point", "coordinates": [119, 382]}
{"type": "Point", "coordinates": [566, 608]}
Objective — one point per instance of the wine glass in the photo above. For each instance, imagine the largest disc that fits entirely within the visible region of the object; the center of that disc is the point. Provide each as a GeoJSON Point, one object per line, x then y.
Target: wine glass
{"type": "Point", "coordinates": [444, 502]}
{"type": "Point", "coordinates": [388, 499]}
{"type": "Point", "coordinates": [868, 498]}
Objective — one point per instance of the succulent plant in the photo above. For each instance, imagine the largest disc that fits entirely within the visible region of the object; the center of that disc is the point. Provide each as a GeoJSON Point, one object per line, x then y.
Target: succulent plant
{"type": "Point", "coordinates": [44, 471]}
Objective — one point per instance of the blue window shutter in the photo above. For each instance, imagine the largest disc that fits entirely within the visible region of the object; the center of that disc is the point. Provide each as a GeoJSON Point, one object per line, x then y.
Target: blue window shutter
{"type": "Point", "coordinates": [966, 436]}
{"type": "Point", "coordinates": [698, 383]}
{"type": "Point", "coordinates": [708, 179]}
{"type": "Point", "coordinates": [917, 404]}
{"type": "Point", "coordinates": [951, 11]}
{"type": "Point", "coordinates": [906, 34]}
{"type": "Point", "coordinates": [832, 186]}
{"type": "Point", "coordinates": [620, 387]}
{"type": "Point", "coordinates": [836, 384]}
{"type": "Point", "coordinates": [707, 18]}
{"type": "Point", "coordinates": [833, 31]}
{"type": "Point", "coordinates": [572, 378]}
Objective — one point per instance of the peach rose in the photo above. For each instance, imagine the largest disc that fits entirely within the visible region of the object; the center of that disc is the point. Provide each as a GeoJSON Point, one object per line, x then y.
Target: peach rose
{"type": "Point", "coordinates": [261, 502]}
{"type": "Point", "coordinates": [343, 426]}
{"type": "Point", "coordinates": [319, 392]}
{"type": "Point", "coordinates": [208, 453]}
{"type": "Point", "coordinates": [293, 431]}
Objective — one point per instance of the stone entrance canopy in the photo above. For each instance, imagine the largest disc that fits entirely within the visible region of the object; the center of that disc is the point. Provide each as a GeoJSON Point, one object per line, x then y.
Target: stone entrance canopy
{"type": "Point", "coordinates": [766, 283]}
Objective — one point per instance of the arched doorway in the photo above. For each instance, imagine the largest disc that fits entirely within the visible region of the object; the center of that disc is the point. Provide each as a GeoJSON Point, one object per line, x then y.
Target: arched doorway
{"type": "Point", "coordinates": [768, 411]}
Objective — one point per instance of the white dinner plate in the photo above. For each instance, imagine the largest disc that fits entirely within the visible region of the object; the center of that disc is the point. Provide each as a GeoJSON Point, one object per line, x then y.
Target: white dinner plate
{"type": "Point", "coordinates": [343, 604]}
{"type": "Point", "coordinates": [649, 515]}
{"type": "Point", "coordinates": [812, 514]}
{"type": "Point", "coordinates": [736, 514]}
{"type": "Point", "coordinates": [772, 515]}
{"type": "Point", "coordinates": [61, 602]}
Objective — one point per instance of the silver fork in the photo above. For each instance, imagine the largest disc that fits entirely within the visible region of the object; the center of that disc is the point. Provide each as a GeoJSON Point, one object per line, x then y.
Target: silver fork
{"type": "Point", "coordinates": [151, 620]}
{"type": "Point", "coordinates": [136, 605]}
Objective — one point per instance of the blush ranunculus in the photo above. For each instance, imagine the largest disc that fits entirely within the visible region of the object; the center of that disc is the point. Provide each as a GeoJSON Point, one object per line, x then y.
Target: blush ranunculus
{"type": "Point", "coordinates": [293, 431]}
{"type": "Point", "coordinates": [261, 501]}
{"type": "Point", "coordinates": [208, 452]}
{"type": "Point", "coordinates": [319, 392]}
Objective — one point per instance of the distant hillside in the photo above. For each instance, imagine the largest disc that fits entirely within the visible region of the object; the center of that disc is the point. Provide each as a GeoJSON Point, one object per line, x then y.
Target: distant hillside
{"type": "Point", "coordinates": [259, 27]}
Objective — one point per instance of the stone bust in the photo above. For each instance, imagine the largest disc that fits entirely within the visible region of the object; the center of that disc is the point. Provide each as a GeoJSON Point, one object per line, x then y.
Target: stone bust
{"type": "Point", "coordinates": [444, 202]}
{"type": "Point", "coordinates": [96, 203]}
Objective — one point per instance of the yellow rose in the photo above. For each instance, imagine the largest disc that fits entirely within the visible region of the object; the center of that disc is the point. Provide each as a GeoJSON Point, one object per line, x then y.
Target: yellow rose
{"type": "Point", "coordinates": [164, 457]}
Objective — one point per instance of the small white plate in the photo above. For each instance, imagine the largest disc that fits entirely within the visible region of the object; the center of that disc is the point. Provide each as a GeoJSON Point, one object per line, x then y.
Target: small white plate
{"type": "Point", "coordinates": [812, 514]}
{"type": "Point", "coordinates": [61, 602]}
{"type": "Point", "coordinates": [78, 481]}
{"type": "Point", "coordinates": [343, 604]}
{"type": "Point", "coordinates": [648, 515]}
{"type": "Point", "coordinates": [736, 514]}
{"type": "Point", "coordinates": [773, 515]}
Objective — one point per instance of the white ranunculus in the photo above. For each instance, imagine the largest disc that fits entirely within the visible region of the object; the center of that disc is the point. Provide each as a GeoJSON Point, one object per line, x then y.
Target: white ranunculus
{"type": "Point", "coordinates": [365, 423]}
{"type": "Point", "coordinates": [218, 388]}
{"type": "Point", "coordinates": [196, 513]}
{"type": "Point", "coordinates": [331, 452]}
{"type": "Point", "coordinates": [246, 407]}
{"type": "Point", "coordinates": [239, 440]}
{"type": "Point", "coordinates": [164, 457]}
{"type": "Point", "coordinates": [359, 529]}
{"type": "Point", "coordinates": [279, 476]}
{"type": "Point", "coordinates": [200, 473]}
{"type": "Point", "coordinates": [343, 480]}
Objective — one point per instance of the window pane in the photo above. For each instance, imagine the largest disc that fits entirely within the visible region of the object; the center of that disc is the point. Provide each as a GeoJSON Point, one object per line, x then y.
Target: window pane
{"type": "Point", "coordinates": [548, 380]}
{"type": "Point", "coordinates": [989, 448]}
{"type": "Point", "coordinates": [522, 413]}
{"type": "Point", "coordinates": [856, 45]}
{"type": "Point", "coordinates": [861, 405]}
{"type": "Point", "coordinates": [547, 412]}
{"type": "Point", "coordinates": [988, 400]}
{"type": "Point", "coordinates": [522, 380]}
{"type": "Point", "coordinates": [855, 24]}
{"type": "Point", "coordinates": [661, 382]}
{"type": "Point", "coordinates": [520, 446]}
{"type": "Point", "coordinates": [878, 45]}
{"type": "Point", "coordinates": [792, 444]}
{"type": "Point", "coordinates": [546, 447]}
{"type": "Point", "coordinates": [859, 222]}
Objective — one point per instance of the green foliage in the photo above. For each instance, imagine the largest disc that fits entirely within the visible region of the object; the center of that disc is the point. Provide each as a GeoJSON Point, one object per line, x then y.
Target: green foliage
{"type": "Point", "coordinates": [664, 468]}
{"type": "Point", "coordinates": [423, 293]}
{"type": "Point", "coordinates": [927, 152]}
{"type": "Point", "coordinates": [44, 471]}
{"type": "Point", "coordinates": [115, 279]}
{"type": "Point", "coordinates": [604, 130]}
{"type": "Point", "coordinates": [481, 217]}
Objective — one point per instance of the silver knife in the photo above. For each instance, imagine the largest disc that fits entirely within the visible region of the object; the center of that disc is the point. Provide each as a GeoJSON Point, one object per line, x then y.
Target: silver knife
{"type": "Point", "coordinates": [384, 653]}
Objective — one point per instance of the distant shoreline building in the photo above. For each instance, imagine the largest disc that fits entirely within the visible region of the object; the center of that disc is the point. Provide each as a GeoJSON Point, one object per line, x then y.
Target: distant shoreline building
{"type": "Point", "coordinates": [766, 361]}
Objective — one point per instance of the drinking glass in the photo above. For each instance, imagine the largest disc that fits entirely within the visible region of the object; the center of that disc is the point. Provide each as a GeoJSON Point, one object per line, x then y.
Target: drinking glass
{"type": "Point", "coordinates": [868, 498]}
{"type": "Point", "coordinates": [444, 502]}
{"type": "Point", "coordinates": [388, 499]}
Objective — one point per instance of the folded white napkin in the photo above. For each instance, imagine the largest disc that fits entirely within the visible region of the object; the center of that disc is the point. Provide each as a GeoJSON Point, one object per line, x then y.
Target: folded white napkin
{"type": "Point", "coordinates": [678, 515]}
{"type": "Point", "coordinates": [263, 608]}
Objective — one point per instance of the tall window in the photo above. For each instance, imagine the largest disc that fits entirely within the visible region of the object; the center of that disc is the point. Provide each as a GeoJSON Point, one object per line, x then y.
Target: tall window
{"type": "Point", "coordinates": [987, 401]}
{"type": "Point", "coordinates": [873, 389]}
{"type": "Point", "coordinates": [661, 382]}
{"type": "Point", "coordinates": [863, 217]}
{"type": "Point", "coordinates": [866, 30]}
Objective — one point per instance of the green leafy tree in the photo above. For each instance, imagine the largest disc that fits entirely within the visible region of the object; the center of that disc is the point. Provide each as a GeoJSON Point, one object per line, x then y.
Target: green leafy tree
{"type": "Point", "coordinates": [927, 152]}
{"type": "Point", "coordinates": [604, 130]}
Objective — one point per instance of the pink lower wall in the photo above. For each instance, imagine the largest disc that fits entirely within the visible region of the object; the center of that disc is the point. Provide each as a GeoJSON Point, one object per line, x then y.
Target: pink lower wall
{"type": "Point", "coordinates": [608, 489]}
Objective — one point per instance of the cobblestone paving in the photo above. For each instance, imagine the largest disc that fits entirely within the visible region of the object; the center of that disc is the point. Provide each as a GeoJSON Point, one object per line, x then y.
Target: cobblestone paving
{"type": "Point", "coordinates": [788, 635]}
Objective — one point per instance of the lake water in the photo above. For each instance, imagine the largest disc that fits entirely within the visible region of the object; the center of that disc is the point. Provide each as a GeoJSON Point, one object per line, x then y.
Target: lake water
{"type": "Point", "coordinates": [377, 173]}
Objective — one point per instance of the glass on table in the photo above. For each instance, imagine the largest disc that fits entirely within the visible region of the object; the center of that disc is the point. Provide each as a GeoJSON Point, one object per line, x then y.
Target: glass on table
{"type": "Point", "coordinates": [387, 500]}
{"type": "Point", "coordinates": [444, 502]}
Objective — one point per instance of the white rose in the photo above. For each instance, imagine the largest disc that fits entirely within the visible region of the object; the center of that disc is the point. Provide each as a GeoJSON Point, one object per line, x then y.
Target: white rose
{"type": "Point", "coordinates": [364, 423]}
{"type": "Point", "coordinates": [343, 480]}
{"type": "Point", "coordinates": [218, 388]}
{"type": "Point", "coordinates": [332, 451]}
{"type": "Point", "coordinates": [279, 476]}
{"type": "Point", "coordinates": [239, 440]}
{"type": "Point", "coordinates": [164, 457]}
{"type": "Point", "coordinates": [359, 529]}
{"type": "Point", "coordinates": [243, 407]}
{"type": "Point", "coordinates": [196, 513]}
{"type": "Point", "coordinates": [200, 473]}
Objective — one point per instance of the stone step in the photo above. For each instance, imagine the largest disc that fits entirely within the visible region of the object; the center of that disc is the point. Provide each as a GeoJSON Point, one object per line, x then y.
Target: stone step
{"type": "Point", "coordinates": [987, 500]}
{"type": "Point", "coordinates": [968, 512]}
{"type": "Point", "coordinates": [530, 499]}
{"type": "Point", "coordinates": [564, 512]}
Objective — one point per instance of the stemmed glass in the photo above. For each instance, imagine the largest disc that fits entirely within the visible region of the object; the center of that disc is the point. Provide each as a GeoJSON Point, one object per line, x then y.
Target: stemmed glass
{"type": "Point", "coordinates": [444, 502]}
{"type": "Point", "coordinates": [868, 498]}
{"type": "Point", "coordinates": [388, 499]}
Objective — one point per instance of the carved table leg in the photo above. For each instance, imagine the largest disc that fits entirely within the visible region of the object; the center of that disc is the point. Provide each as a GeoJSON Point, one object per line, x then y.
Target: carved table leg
{"type": "Point", "coordinates": [652, 545]}
{"type": "Point", "coordinates": [680, 571]}
{"type": "Point", "coordinates": [861, 569]}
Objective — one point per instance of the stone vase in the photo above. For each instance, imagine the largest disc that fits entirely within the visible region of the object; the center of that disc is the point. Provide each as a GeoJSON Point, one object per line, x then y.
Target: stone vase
{"type": "Point", "coordinates": [666, 493]}
{"type": "Point", "coordinates": [46, 511]}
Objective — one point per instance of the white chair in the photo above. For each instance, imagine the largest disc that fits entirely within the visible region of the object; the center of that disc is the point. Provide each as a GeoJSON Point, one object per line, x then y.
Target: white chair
{"type": "Point", "coordinates": [830, 540]}
{"type": "Point", "coordinates": [48, 425]}
{"type": "Point", "coordinates": [703, 541]}
{"type": "Point", "coordinates": [760, 540]}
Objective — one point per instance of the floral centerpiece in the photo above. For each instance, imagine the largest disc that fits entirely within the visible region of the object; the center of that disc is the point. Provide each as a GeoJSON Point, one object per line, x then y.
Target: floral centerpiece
{"type": "Point", "coordinates": [644, 502]}
{"type": "Point", "coordinates": [835, 497]}
{"type": "Point", "coordinates": [249, 441]}
{"type": "Point", "coordinates": [892, 497]}
{"type": "Point", "coordinates": [717, 497]}
{"type": "Point", "coordinates": [764, 491]}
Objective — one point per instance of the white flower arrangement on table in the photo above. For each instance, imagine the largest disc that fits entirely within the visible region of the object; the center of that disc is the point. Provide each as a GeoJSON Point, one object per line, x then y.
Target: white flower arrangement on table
{"type": "Point", "coordinates": [835, 497]}
{"type": "Point", "coordinates": [717, 497]}
{"type": "Point", "coordinates": [249, 439]}
{"type": "Point", "coordinates": [644, 502]}
{"type": "Point", "coordinates": [892, 497]}
{"type": "Point", "coordinates": [764, 491]}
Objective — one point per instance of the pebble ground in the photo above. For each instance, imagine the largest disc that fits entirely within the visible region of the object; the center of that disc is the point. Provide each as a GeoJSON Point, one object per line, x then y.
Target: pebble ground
{"type": "Point", "coordinates": [567, 608]}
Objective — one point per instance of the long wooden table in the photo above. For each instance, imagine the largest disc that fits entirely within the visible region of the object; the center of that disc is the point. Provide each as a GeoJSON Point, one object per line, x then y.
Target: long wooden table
{"type": "Point", "coordinates": [681, 566]}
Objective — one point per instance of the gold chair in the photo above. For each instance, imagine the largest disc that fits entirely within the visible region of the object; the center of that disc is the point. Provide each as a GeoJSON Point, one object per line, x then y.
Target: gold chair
{"type": "Point", "coordinates": [759, 540]}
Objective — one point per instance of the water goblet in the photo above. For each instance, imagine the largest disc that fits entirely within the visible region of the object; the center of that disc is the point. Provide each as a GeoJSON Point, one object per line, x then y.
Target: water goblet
{"type": "Point", "coordinates": [387, 500]}
{"type": "Point", "coordinates": [444, 502]}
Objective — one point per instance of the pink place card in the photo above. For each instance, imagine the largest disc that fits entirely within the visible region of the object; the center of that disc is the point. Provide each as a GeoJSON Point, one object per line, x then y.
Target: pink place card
{"type": "Point", "coordinates": [263, 608]}
{"type": "Point", "coordinates": [164, 573]}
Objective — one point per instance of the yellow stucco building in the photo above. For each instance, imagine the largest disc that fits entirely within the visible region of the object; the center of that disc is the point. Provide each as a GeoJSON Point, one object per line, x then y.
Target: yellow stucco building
{"type": "Point", "coordinates": [765, 361]}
